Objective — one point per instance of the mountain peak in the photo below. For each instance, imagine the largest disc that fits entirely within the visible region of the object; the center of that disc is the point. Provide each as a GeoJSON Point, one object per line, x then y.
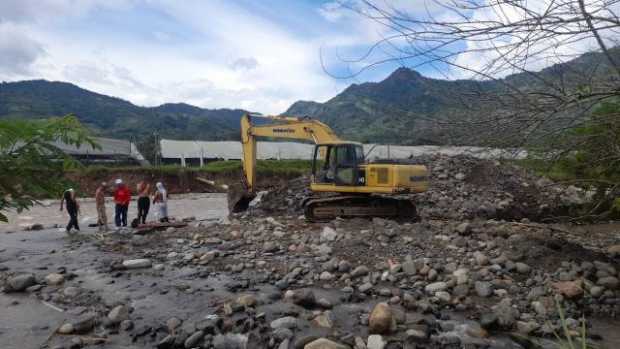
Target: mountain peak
{"type": "Point", "coordinates": [404, 73]}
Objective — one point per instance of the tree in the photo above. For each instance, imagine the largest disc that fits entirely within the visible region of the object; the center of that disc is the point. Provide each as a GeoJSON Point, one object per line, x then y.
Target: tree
{"type": "Point", "coordinates": [31, 166]}
{"type": "Point", "coordinates": [489, 40]}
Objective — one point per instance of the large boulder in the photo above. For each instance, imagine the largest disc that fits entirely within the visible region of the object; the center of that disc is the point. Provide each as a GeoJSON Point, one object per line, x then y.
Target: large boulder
{"type": "Point", "coordinates": [381, 319]}
{"type": "Point", "coordinates": [21, 282]}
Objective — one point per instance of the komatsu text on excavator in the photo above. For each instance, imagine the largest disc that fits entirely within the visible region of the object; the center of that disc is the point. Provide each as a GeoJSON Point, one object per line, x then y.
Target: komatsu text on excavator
{"type": "Point", "coordinates": [358, 188]}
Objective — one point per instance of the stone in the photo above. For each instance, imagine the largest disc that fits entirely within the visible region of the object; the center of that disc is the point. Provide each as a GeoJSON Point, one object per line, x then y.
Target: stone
{"type": "Point", "coordinates": [417, 334]}
{"type": "Point", "coordinates": [365, 287]}
{"type": "Point", "coordinates": [270, 247]}
{"type": "Point", "coordinates": [166, 342]}
{"type": "Point", "coordinates": [284, 344]}
{"type": "Point", "coordinates": [193, 340]}
{"type": "Point", "coordinates": [84, 323]}
{"type": "Point", "coordinates": [462, 276]}
{"type": "Point", "coordinates": [506, 314]}
{"type": "Point", "coordinates": [362, 270]}
{"type": "Point", "coordinates": [328, 234]}
{"type": "Point", "coordinates": [539, 308]}
{"type": "Point", "coordinates": [126, 325]}
{"type": "Point", "coordinates": [435, 287]}
{"type": "Point", "coordinates": [614, 250]}
{"type": "Point", "coordinates": [324, 343]}
{"type": "Point", "coordinates": [569, 289]}
{"type": "Point", "coordinates": [304, 297]}
{"type": "Point", "coordinates": [609, 282]}
{"type": "Point", "coordinates": [137, 263]}
{"type": "Point", "coordinates": [526, 327]}
{"type": "Point", "coordinates": [596, 291]}
{"type": "Point", "coordinates": [118, 314]}
{"type": "Point", "coordinates": [283, 333]}
{"type": "Point", "coordinates": [325, 319]}
{"type": "Point", "coordinates": [246, 300]}
{"type": "Point", "coordinates": [483, 288]}
{"type": "Point", "coordinates": [19, 283]}
{"type": "Point", "coordinates": [326, 276]}
{"type": "Point", "coordinates": [54, 279]}
{"type": "Point", "coordinates": [230, 341]}
{"type": "Point", "coordinates": [409, 268]}
{"type": "Point", "coordinates": [488, 320]}
{"type": "Point", "coordinates": [375, 341]}
{"type": "Point", "coordinates": [173, 323]}
{"type": "Point", "coordinates": [522, 268]}
{"type": "Point", "coordinates": [481, 258]}
{"type": "Point", "coordinates": [65, 328]}
{"type": "Point", "coordinates": [284, 322]}
{"type": "Point", "coordinates": [324, 303]}
{"type": "Point", "coordinates": [71, 291]}
{"type": "Point", "coordinates": [381, 319]}
{"type": "Point", "coordinates": [344, 266]}
{"type": "Point", "coordinates": [443, 296]}
{"type": "Point", "coordinates": [463, 228]}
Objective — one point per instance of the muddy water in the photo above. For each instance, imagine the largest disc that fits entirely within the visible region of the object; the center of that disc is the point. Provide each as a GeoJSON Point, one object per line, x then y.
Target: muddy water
{"type": "Point", "coordinates": [200, 206]}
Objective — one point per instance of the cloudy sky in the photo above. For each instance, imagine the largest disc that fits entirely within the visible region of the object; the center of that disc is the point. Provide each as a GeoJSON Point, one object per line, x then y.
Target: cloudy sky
{"type": "Point", "coordinates": [257, 55]}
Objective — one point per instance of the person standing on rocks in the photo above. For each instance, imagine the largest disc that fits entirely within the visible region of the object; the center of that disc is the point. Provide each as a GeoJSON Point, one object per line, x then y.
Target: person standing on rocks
{"type": "Point", "coordinates": [122, 197]}
{"type": "Point", "coordinates": [73, 208]}
{"type": "Point", "coordinates": [144, 202]}
{"type": "Point", "coordinates": [102, 218]}
{"type": "Point", "coordinates": [161, 200]}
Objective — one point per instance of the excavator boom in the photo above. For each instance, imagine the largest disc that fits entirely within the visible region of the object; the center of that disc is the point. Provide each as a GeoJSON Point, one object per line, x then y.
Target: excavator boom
{"type": "Point", "coordinates": [282, 127]}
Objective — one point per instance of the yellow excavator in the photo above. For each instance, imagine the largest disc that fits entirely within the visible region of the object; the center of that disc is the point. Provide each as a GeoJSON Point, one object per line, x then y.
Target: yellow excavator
{"type": "Point", "coordinates": [343, 182]}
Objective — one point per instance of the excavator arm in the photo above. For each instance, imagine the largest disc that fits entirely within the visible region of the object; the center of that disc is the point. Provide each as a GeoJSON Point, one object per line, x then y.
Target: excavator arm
{"type": "Point", "coordinates": [282, 127]}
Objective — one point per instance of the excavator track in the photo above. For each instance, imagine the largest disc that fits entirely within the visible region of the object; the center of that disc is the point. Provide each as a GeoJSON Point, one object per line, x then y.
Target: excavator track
{"type": "Point", "coordinates": [352, 206]}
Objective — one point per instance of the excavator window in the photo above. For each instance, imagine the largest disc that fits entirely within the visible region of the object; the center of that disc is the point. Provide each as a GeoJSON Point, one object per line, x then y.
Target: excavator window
{"type": "Point", "coordinates": [337, 163]}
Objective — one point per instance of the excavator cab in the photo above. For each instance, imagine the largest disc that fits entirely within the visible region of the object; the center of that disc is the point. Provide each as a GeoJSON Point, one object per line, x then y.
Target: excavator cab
{"type": "Point", "coordinates": [338, 163]}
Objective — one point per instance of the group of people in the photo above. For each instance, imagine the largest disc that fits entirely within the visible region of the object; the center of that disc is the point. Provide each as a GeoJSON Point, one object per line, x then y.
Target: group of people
{"type": "Point", "coordinates": [122, 198]}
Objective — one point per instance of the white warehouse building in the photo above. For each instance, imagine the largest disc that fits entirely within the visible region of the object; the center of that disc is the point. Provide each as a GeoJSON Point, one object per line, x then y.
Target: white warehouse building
{"type": "Point", "coordinates": [198, 153]}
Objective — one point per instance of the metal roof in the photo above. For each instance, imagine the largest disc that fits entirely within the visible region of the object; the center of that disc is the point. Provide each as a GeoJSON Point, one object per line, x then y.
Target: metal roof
{"type": "Point", "coordinates": [230, 150]}
{"type": "Point", "coordinates": [107, 147]}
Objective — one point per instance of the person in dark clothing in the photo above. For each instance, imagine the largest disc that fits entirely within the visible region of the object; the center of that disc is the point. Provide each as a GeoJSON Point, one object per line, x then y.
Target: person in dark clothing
{"type": "Point", "coordinates": [73, 208]}
{"type": "Point", "coordinates": [144, 202]}
{"type": "Point", "coordinates": [122, 197]}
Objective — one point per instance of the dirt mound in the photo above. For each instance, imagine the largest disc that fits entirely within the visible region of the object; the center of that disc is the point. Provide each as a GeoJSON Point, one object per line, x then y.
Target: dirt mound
{"type": "Point", "coordinates": [461, 187]}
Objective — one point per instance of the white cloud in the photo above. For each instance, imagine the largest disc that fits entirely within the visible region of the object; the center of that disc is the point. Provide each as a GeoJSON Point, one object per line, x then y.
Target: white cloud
{"type": "Point", "coordinates": [18, 51]}
{"type": "Point", "coordinates": [232, 58]}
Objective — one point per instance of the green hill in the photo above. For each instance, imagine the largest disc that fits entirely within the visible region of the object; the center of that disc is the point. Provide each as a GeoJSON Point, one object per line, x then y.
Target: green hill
{"type": "Point", "coordinates": [115, 117]}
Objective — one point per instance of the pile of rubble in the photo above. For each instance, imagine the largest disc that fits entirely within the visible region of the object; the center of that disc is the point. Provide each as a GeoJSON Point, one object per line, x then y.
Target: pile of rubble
{"type": "Point", "coordinates": [464, 187]}
{"type": "Point", "coordinates": [461, 187]}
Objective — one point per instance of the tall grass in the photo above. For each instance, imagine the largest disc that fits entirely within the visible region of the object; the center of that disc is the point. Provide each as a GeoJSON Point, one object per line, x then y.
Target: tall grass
{"type": "Point", "coordinates": [263, 167]}
{"type": "Point", "coordinates": [565, 339]}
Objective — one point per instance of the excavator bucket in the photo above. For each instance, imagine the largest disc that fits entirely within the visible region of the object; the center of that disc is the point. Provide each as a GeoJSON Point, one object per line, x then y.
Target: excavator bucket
{"type": "Point", "coordinates": [239, 198]}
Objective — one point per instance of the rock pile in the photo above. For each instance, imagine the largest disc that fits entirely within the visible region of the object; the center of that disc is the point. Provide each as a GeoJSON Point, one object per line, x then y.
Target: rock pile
{"type": "Point", "coordinates": [464, 187]}
{"type": "Point", "coordinates": [461, 187]}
